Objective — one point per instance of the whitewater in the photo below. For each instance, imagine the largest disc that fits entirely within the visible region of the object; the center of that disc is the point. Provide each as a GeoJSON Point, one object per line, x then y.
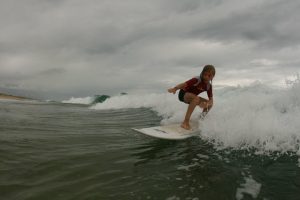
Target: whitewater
{"type": "Point", "coordinates": [243, 117]}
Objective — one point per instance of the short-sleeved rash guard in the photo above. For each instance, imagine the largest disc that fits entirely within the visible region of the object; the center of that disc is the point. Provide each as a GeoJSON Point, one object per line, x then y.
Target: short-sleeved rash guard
{"type": "Point", "coordinates": [196, 86]}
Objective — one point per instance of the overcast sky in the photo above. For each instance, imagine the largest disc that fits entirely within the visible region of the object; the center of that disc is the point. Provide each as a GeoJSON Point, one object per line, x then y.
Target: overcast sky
{"type": "Point", "coordinates": [81, 48]}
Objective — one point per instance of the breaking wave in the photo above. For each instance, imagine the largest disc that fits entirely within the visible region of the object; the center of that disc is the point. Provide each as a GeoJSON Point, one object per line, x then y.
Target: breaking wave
{"type": "Point", "coordinates": [254, 116]}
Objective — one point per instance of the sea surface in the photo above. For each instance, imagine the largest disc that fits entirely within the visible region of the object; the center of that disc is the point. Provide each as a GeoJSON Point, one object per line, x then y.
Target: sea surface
{"type": "Point", "coordinates": [248, 148]}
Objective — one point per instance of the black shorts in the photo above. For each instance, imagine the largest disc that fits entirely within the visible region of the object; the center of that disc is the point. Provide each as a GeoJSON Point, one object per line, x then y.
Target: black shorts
{"type": "Point", "coordinates": [181, 95]}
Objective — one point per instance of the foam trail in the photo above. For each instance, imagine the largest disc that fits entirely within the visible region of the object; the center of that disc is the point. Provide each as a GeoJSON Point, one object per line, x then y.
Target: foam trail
{"type": "Point", "coordinates": [250, 187]}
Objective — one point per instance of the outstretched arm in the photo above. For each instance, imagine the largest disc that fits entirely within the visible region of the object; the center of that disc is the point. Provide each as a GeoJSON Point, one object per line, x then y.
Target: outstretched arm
{"type": "Point", "coordinates": [177, 87]}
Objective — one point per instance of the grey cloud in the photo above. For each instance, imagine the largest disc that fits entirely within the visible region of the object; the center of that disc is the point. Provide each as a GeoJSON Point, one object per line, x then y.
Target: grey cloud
{"type": "Point", "coordinates": [52, 71]}
{"type": "Point", "coordinates": [273, 23]}
{"type": "Point", "coordinates": [87, 47]}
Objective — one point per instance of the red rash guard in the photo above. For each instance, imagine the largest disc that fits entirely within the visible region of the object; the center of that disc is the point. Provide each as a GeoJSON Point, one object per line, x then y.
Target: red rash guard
{"type": "Point", "coordinates": [196, 89]}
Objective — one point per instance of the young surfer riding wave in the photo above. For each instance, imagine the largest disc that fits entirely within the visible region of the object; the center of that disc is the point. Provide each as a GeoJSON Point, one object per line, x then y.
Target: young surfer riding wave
{"type": "Point", "coordinates": [190, 90]}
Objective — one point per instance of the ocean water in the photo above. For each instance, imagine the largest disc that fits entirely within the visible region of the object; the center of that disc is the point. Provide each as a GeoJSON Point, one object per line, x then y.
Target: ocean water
{"type": "Point", "coordinates": [248, 148]}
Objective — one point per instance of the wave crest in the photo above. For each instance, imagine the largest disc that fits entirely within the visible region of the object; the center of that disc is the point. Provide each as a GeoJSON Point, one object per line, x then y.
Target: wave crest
{"type": "Point", "coordinates": [242, 117]}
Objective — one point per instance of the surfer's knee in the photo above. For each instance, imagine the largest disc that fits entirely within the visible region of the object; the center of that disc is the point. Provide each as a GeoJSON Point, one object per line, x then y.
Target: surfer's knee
{"type": "Point", "coordinates": [196, 100]}
{"type": "Point", "coordinates": [203, 104]}
{"type": "Point", "coordinates": [189, 97]}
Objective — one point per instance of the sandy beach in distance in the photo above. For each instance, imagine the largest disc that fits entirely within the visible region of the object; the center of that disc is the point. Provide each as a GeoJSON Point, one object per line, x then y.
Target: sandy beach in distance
{"type": "Point", "coordinates": [11, 97]}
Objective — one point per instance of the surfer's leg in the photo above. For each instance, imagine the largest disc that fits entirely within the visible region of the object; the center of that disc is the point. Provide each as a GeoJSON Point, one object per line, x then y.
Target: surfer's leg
{"type": "Point", "coordinates": [193, 101]}
{"type": "Point", "coordinates": [189, 97]}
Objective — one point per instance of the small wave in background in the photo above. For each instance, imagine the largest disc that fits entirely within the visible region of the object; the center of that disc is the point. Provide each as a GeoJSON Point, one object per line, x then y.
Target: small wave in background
{"type": "Point", "coordinates": [90, 99]}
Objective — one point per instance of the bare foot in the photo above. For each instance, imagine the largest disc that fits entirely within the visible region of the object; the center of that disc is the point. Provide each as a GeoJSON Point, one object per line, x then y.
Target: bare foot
{"type": "Point", "coordinates": [185, 126]}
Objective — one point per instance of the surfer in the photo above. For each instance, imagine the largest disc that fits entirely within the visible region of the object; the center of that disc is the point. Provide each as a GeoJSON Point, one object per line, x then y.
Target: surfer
{"type": "Point", "coordinates": [190, 90]}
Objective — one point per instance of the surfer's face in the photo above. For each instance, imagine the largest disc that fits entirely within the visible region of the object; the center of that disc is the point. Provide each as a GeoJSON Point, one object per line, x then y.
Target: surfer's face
{"type": "Point", "coordinates": [207, 76]}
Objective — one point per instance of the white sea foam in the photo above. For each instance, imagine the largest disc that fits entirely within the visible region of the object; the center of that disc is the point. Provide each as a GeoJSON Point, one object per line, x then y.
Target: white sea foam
{"type": "Point", "coordinates": [256, 116]}
{"type": "Point", "coordinates": [166, 105]}
{"type": "Point", "coordinates": [242, 117]}
{"type": "Point", "coordinates": [250, 187]}
{"type": "Point", "coordinates": [79, 100]}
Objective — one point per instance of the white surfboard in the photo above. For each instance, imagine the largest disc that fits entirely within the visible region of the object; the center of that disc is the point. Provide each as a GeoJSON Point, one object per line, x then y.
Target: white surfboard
{"type": "Point", "coordinates": [171, 131]}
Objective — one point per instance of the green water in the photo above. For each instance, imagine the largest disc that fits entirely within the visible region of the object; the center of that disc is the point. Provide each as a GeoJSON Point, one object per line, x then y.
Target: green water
{"type": "Point", "coordinates": [66, 151]}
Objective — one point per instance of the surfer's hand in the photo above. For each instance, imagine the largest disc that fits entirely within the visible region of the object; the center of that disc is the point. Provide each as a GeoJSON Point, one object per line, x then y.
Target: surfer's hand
{"type": "Point", "coordinates": [172, 90]}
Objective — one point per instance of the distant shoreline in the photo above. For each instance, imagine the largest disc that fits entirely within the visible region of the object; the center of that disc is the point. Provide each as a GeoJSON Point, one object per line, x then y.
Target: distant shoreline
{"type": "Point", "coordinates": [12, 97]}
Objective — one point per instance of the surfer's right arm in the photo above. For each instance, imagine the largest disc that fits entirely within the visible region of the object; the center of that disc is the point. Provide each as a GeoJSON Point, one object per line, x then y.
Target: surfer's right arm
{"type": "Point", "coordinates": [177, 87]}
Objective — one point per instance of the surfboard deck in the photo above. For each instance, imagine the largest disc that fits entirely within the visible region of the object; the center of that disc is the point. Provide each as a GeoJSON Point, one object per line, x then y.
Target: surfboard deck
{"type": "Point", "coordinates": [171, 131]}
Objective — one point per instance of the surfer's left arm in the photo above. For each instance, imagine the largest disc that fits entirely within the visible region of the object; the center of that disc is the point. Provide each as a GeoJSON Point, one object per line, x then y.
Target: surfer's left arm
{"type": "Point", "coordinates": [210, 101]}
{"type": "Point", "coordinates": [210, 97]}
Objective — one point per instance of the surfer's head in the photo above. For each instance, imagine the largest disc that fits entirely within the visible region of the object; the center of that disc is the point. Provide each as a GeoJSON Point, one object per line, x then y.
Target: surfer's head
{"type": "Point", "coordinates": [208, 73]}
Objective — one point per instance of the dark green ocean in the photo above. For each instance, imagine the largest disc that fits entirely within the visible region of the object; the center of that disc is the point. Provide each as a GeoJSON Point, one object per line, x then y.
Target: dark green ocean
{"type": "Point", "coordinates": [64, 151]}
